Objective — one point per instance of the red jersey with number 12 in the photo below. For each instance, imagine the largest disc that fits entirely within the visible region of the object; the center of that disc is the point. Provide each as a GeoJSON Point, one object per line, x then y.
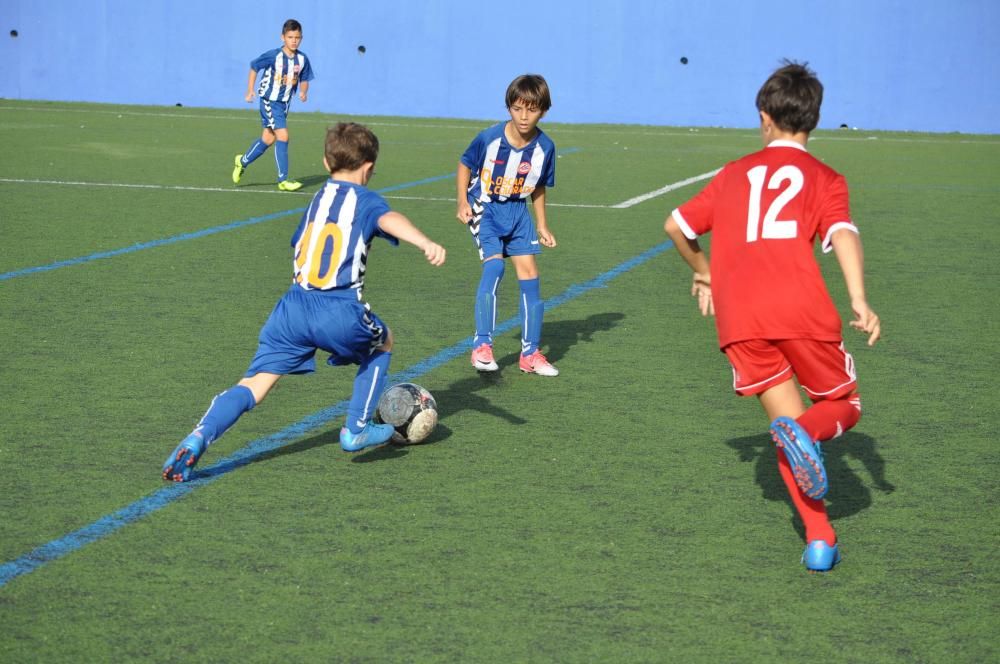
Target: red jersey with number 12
{"type": "Point", "coordinates": [765, 212]}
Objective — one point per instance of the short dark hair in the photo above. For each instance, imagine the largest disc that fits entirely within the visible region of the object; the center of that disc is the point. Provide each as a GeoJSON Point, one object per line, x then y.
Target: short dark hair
{"type": "Point", "coordinates": [290, 25]}
{"type": "Point", "coordinates": [792, 96]}
{"type": "Point", "coordinates": [530, 89]}
{"type": "Point", "coordinates": [349, 145]}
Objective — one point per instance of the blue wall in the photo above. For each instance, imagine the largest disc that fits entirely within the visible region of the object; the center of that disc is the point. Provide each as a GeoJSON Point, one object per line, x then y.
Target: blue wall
{"type": "Point", "coordinates": [925, 65]}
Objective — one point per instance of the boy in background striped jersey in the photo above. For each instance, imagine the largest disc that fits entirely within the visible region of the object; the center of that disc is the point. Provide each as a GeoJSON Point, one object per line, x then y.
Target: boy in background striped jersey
{"type": "Point", "coordinates": [285, 70]}
{"type": "Point", "coordinates": [501, 169]}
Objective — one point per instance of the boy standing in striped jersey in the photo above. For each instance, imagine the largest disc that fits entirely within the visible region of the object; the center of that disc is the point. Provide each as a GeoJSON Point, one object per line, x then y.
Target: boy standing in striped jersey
{"type": "Point", "coordinates": [285, 70]}
{"type": "Point", "coordinates": [323, 309]}
{"type": "Point", "coordinates": [774, 316]}
{"type": "Point", "coordinates": [503, 167]}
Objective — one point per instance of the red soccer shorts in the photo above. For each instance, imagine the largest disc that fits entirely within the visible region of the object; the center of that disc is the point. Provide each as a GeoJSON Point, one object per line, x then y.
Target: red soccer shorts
{"type": "Point", "coordinates": [825, 370]}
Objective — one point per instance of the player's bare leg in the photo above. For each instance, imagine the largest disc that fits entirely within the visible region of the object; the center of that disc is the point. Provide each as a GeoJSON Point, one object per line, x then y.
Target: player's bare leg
{"type": "Point", "coordinates": [225, 409]}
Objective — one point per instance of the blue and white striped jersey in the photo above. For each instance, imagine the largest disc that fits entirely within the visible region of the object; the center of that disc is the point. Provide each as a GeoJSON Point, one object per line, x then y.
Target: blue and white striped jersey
{"type": "Point", "coordinates": [282, 73]}
{"type": "Point", "coordinates": [501, 172]}
{"type": "Point", "coordinates": [332, 240]}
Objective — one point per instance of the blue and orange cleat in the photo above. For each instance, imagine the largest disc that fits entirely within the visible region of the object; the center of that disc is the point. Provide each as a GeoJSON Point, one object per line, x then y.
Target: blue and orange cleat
{"type": "Point", "coordinates": [537, 364]}
{"type": "Point", "coordinates": [804, 456]}
{"type": "Point", "coordinates": [820, 556]}
{"type": "Point", "coordinates": [181, 461]}
{"type": "Point", "coordinates": [482, 358]}
{"type": "Point", "coordinates": [373, 434]}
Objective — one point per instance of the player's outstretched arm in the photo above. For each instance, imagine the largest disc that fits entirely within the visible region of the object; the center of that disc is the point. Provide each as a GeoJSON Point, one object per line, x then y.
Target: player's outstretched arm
{"type": "Point", "coordinates": [690, 251]}
{"type": "Point", "coordinates": [250, 83]}
{"type": "Point", "coordinates": [400, 227]}
{"type": "Point", "coordinates": [462, 179]}
{"type": "Point", "coordinates": [545, 236]}
{"type": "Point", "coordinates": [847, 246]}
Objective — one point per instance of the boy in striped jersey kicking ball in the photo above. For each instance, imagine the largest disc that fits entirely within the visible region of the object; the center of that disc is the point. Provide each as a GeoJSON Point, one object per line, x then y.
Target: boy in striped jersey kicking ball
{"type": "Point", "coordinates": [324, 308]}
{"type": "Point", "coordinates": [501, 169]}
{"type": "Point", "coordinates": [284, 71]}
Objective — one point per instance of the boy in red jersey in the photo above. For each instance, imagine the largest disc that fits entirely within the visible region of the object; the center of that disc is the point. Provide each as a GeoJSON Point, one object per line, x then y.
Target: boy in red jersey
{"type": "Point", "coordinates": [774, 316]}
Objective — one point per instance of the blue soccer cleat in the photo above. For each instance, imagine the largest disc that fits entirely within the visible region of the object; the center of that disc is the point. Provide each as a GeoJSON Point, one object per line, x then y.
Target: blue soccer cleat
{"type": "Point", "coordinates": [373, 434]}
{"type": "Point", "coordinates": [820, 556]}
{"type": "Point", "coordinates": [181, 461]}
{"type": "Point", "coordinates": [803, 455]}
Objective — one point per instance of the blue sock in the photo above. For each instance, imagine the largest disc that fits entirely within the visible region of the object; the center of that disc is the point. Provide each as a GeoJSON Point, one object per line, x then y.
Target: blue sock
{"type": "Point", "coordinates": [226, 408]}
{"type": "Point", "coordinates": [258, 148]}
{"type": "Point", "coordinates": [532, 309]}
{"type": "Point", "coordinates": [281, 157]}
{"type": "Point", "coordinates": [486, 301]}
{"type": "Point", "coordinates": [368, 386]}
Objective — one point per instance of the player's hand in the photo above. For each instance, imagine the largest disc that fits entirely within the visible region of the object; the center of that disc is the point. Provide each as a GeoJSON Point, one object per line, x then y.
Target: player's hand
{"type": "Point", "coordinates": [866, 321]}
{"type": "Point", "coordinates": [302, 95]}
{"type": "Point", "coordinates": [249, 97]}
{"type": "Point", "coordinates": [464, 212]}
{"type": "Point", "coordinates": [434, 253]}
{"type": "Point", "coordinates": [701, 288]}
{"type": "Point", "coordinates": [546, 237]}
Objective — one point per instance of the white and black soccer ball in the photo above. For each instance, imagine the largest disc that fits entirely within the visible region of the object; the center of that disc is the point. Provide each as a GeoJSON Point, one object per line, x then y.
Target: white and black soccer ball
{"type": "Point", "coordinates": [411, 410]}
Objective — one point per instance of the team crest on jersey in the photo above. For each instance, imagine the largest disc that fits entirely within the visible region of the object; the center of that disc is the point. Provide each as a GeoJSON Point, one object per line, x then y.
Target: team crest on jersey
{"type": "Point", "coordinates": [524, 168]}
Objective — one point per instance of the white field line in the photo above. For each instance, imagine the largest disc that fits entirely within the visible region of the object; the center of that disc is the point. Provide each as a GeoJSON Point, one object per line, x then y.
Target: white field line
{"type": "Point", "coordinates": [328, 118]}
{"type": "Point", "coordinates": [662, 190]}
{"type": "Point", "coordinates": [301, 117]}
{"type": "Point", "coordinates": [150, 186]}
{"type": "Point", "coordinates": [625, 204]}
{"type": "Point", "coordinates": [452, 200]}
{"type": "Point", "coordinates": [243, 191]}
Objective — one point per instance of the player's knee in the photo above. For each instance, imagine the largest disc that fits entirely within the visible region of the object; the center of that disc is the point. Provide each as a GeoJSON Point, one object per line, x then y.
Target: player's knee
{"type": "Point", "coordinates": [526, 267]}
{"type": "Point", "coordinates": [259, 386]}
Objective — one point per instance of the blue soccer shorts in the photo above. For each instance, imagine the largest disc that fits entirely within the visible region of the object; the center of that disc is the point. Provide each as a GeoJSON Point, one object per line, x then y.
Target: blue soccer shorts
{"type": "Point", "coordinates": [504, 228]}
{"type": "Point", "coordinates": [273, 114]}
{"type": "Point", "coordinates": [306, 321]}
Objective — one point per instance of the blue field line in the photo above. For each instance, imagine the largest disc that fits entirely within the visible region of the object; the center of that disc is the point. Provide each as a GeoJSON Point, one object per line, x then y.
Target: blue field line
{"type": "Point", "coordinates": [254, 450]}
{"type": "Point", "coordinates": [209, 231]}
{"type": "Point", "coordinates": [147, 245]}
{"type": "Point", "coordinates": [189, 236]}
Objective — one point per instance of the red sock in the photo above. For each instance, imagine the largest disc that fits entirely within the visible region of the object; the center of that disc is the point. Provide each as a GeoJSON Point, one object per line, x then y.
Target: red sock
{"type": "Point", "coordinates": [828, 419]}
{"type": "Point", "coordinates": [811, 511]}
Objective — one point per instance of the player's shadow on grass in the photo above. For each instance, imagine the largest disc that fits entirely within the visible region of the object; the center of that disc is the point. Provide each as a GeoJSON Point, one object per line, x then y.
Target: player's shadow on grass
{"type": "Point", "coordinates": [307, 182]}
{"type": "Point", "coordinates": [561, 335]}
{"type": "Point", "coordinates": [558, 337]}
{"type": "Point", "coordinates": [463, 395]}
{"type": "Point", "coordinates": [332, 438]}
{"type": "Point", "coordinates": [848, 494]}
{"type": "Point", "coordinates": [310, 180]}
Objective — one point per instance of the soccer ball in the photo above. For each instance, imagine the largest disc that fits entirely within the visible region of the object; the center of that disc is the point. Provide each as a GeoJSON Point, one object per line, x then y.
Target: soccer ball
{"type": "Point", "coordinates": [411, 410]}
